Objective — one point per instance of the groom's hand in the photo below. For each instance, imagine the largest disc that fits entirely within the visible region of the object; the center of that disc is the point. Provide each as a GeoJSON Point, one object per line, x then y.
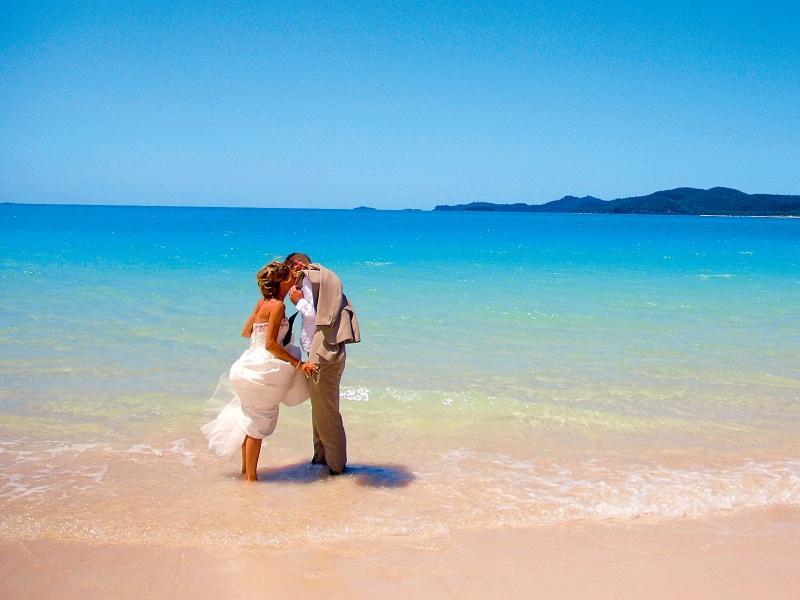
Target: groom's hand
{"type": "Point", "coordinates": [295, 295]}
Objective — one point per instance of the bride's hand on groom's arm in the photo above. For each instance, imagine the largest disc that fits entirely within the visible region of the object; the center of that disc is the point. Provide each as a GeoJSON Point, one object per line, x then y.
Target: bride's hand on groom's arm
{"type": "Point", "coordinates": [308, 369]}
{"type": "Point", "coordinates": [295, 295]}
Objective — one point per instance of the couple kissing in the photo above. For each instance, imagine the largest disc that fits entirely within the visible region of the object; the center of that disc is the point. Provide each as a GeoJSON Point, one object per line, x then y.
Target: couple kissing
{"type": "Point", "coordinates": [271, 371]}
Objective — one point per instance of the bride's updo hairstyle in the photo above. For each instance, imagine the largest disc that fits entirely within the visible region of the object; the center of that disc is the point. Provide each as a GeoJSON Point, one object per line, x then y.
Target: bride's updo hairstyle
{"type": "Point", "coordinates": [269, 278]}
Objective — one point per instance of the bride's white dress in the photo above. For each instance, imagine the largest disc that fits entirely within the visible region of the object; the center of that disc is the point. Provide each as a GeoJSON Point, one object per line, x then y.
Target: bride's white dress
{"type": "Point", "coordinates": [256, 386]}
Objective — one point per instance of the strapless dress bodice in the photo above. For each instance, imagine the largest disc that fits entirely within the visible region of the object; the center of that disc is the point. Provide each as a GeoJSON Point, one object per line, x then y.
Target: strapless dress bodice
{"type": "Point", "coordinates": [259, 336]}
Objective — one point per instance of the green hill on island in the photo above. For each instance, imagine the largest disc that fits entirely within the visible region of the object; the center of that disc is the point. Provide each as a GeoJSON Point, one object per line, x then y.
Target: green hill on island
{"type": "Point", "coordinates": [680, 201]}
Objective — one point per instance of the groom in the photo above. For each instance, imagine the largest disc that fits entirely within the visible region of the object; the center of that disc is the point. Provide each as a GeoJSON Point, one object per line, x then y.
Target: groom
{"type": "Point", "coordinates": [329, 322]}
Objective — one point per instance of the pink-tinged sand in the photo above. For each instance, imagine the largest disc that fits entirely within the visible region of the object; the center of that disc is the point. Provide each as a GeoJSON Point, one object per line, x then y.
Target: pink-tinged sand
{"type": "Point", "coordinates": [746, 555]}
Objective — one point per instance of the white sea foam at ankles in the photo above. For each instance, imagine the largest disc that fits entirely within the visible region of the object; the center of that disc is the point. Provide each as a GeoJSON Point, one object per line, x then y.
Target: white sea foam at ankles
{"type": "Point", "coordinates": [40, 471]}
{"type": "Point", "coordinates": [359, 394]}
{"type": "Point", "coordinates": [150, 492]}
{"type": "Point", "coordinates": [531, 492]}
{"type": "Point", "coordinates": [143, 449]}
{"type": "Point", "coordinates": [181, 449]}
{"type": "Point", "coordinates": [47, 481]}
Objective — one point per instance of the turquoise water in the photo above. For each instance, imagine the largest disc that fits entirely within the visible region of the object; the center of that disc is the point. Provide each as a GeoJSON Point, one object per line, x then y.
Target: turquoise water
{"type": "Point", "coordinates": [490, 342]}
{"type": "Point", "coordinates": [630, 314]}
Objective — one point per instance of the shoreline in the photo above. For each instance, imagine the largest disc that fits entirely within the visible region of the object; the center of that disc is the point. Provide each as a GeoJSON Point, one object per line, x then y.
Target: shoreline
{"type": "Point", "coordinates": [747, 554]}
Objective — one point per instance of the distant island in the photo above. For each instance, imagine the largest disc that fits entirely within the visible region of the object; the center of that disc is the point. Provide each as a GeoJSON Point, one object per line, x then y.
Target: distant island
{"type": "Point", "coordinates": [680, 201]}
{"type": "Point", "coordinates": [373, 209]}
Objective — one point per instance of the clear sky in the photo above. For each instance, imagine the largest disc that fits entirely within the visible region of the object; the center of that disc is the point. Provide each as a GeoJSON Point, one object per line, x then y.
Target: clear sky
{"type": "Point", "coordinates": [337, 104]}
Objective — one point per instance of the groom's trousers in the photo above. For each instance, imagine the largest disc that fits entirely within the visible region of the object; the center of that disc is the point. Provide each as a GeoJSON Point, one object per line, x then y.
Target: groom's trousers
{"type": "Point", "coordinates": [330, 442]}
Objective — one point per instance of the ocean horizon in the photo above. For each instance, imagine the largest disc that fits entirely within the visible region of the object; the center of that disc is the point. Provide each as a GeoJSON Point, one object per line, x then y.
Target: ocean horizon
{"type": "Point", "coordinates": [453, 208]}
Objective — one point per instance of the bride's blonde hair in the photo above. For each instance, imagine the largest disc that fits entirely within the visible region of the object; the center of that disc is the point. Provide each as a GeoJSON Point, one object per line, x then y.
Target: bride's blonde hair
{"type": "Point", "coordinates": [270, 276]}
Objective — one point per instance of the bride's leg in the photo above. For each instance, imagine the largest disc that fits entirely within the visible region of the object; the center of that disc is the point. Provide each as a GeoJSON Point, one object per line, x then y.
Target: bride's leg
{"type": "Point", "coordinates": [252, 450]}
{"type": "Point", "coordinates": [244, 441]}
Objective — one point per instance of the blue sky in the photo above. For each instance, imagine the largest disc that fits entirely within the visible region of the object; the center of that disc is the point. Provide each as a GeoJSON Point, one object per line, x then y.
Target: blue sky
{"type": "Point", "coordinates": [394, 104]}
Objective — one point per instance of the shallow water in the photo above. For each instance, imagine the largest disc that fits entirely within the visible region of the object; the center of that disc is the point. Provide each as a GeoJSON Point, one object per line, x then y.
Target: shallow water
{"type": "Point", "coordinates": [515, 370]}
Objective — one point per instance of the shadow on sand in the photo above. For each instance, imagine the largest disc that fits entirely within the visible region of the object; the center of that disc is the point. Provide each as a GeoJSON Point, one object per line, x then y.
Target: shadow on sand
{"type": "Point", "coordinates": [383, 476]}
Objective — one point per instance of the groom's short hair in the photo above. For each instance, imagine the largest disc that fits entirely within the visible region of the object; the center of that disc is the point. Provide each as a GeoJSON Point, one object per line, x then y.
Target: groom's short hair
{"type": "Point", "coordinates": [298, 256]}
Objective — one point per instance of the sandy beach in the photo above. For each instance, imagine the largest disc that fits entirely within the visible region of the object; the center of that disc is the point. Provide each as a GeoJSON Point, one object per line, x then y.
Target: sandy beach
{"type": "Point", "coordinates": [756, 554]}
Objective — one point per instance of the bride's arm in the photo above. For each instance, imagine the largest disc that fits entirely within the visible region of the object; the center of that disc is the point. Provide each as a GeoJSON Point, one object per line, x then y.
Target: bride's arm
{"type": "Point", "coordinates": [248, 326]}
{"type": "Point", "coordinates": [274, 324]}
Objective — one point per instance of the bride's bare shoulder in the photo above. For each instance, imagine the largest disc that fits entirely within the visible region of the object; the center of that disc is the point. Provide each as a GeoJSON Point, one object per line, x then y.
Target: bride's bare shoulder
{"type": "Point", "coordinates": [270, 307]}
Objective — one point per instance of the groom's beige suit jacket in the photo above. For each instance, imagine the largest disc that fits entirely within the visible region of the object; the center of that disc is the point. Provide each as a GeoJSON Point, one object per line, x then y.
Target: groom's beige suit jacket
{"type": "Point", "coordinates": [336, 319]}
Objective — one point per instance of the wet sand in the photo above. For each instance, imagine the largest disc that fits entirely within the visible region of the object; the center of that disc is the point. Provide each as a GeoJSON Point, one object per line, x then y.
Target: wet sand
{"type": "Point", "coordinates": [743, 555]}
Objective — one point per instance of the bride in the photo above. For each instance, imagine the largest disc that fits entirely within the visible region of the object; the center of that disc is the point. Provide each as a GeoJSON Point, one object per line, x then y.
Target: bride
{"type": "Point", "coordinates": [266, 374]}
